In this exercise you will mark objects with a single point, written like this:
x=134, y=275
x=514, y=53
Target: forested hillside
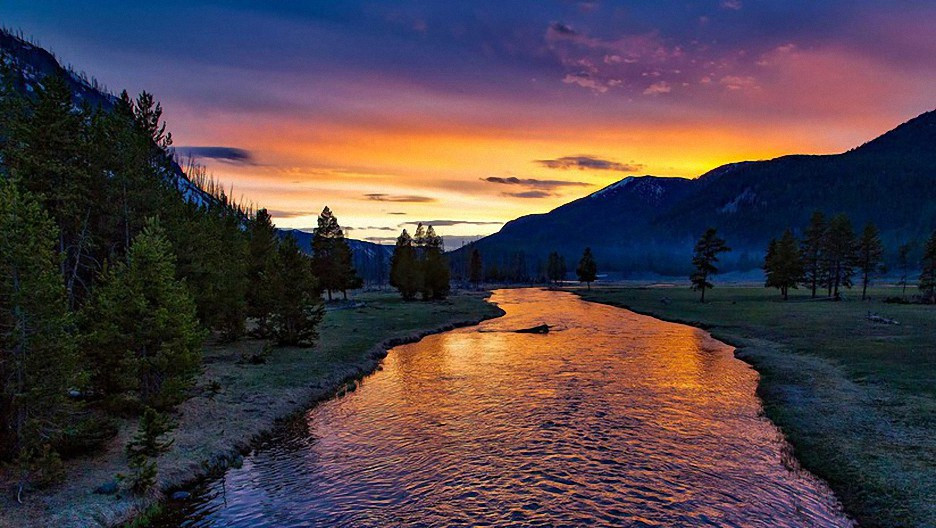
x=115, y=268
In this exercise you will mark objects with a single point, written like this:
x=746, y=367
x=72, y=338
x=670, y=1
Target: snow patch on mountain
x=614, y=188
x=745, y=198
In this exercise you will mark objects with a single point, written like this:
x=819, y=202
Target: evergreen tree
x=261, y=257
x=783, y=264
x=839, y=254
x=475, y=268
x=149, y=439
x=704, y=258
x=48, y=151
x=903, y=263
x=811, y=248
x=142, y=333
x=404, y=267
x=38, y=360
x=556, y=268
x=331, y=256
x=869, y=257
x=927, y=282
x=587, y=269
x=436, y=273
x=212, y=250
x=296, y=297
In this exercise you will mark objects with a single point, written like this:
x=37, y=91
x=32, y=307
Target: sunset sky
x=469, y=114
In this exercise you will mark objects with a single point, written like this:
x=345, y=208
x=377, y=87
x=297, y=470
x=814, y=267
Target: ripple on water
x=612, y=419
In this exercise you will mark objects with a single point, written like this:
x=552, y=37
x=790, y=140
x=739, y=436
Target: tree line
x=829, y=257
x=112, y=277
x=418, y=265
x=554, y=272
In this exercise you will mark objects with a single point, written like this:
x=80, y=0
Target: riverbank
x=215, y=429
x=856, y=398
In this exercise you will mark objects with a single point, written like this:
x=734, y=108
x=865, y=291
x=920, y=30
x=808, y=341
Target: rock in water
x=541, y=329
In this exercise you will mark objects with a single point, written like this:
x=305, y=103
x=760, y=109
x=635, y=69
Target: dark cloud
x=529, y=194
x=534, y=183
x=280, y=213
x=397, y=213
x=561, y=28
x=449, y=223
x=589, y=163
x=228, y=154
x=380, y=240
x=376, y=228
x=402, y=198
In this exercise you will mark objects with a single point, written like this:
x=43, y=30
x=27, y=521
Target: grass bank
x=216, y=428
x=855, y=398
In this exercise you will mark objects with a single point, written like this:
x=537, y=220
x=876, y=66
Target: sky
x=469, y=114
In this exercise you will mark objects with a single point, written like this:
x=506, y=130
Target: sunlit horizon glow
x=392, y=113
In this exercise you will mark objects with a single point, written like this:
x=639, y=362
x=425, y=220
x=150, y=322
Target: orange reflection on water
x=612, y=419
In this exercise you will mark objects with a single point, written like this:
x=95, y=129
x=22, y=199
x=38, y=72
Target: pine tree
x=811, y=249
x=587, y=269
x=556, y=268
x=38, y=361
x=404, y=267
x=870, y=255
x=142, y=333
x=903, y=263
x=475, y=268
x=704, y=258
x=149, y=440
x=839, y=254
x=783, y=264
x=436, y=274
x=331, y=256
x=296, y=297
x=261, y=256
x=48, y=152
x=927, y=282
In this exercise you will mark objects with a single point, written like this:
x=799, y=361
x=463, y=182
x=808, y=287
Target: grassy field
x=856, y=398
x=215, y=427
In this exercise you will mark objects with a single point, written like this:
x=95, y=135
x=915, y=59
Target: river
x=612, y=419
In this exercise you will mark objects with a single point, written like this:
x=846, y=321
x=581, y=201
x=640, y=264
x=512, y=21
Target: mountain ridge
x=649, y=223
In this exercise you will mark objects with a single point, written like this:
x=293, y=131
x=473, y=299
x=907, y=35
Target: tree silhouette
x=927, y=283
x=903, y=263
x=705, y=255
x=870, y=254
x=331, y=256
x=811, y=249
x=783, y=264
x=475, y=268
x=404, y=272
x=587, y=269
x=556, y=268
x=839, y=254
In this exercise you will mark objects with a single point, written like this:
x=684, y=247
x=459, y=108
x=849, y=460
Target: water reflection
x=612, y=419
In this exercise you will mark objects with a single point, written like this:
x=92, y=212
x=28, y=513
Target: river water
x=612, y=419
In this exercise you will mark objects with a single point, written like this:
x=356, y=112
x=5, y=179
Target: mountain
x=372, y=261
x=648, y=224
x=24, y=65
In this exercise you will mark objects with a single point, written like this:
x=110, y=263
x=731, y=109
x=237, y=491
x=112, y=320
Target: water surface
x=612, y=419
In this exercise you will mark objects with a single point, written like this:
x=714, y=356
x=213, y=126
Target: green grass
x=855, y=398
